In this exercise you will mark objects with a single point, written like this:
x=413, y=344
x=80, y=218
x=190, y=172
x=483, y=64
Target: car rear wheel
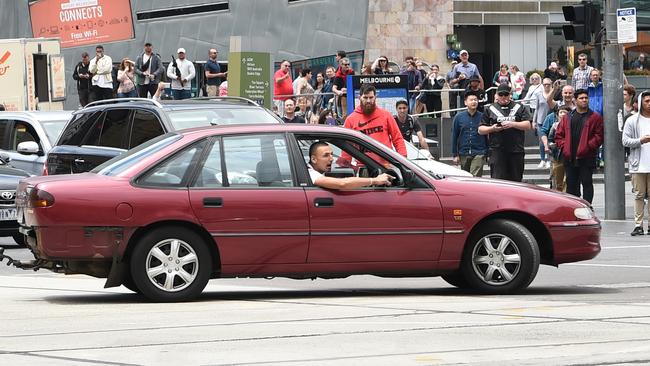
x=502, y=257
x=171, y=264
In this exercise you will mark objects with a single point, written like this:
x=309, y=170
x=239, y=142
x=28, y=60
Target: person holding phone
x=83, y=76
x=101, y=66
x=505, y=123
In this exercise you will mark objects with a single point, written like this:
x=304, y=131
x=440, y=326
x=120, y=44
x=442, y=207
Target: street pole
x=613, y=102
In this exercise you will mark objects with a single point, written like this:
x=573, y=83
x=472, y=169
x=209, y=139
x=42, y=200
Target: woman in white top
x=126, y=77
x=533, y=90
x=518, y=80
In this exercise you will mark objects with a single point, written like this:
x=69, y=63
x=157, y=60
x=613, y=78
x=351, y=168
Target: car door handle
x=213, y=202
x=324, y=202
x=79, y=161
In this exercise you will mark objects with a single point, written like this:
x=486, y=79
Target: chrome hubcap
x=496, y=259
x=172, y=265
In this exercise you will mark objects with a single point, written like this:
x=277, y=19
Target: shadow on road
x=114, y=298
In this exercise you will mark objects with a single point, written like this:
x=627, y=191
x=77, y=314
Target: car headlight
x=583, y=213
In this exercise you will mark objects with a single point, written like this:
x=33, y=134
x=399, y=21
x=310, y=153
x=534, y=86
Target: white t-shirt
x=644, y=160
x=313, y=174
x=146, y=58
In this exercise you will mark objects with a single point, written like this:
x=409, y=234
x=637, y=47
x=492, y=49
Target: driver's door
x=373, y=224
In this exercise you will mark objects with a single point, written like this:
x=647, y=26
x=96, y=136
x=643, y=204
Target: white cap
x=463, y=51
x=180, y=50
x=553, y=64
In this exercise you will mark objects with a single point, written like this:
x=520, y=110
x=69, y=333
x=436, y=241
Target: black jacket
x=82, y=84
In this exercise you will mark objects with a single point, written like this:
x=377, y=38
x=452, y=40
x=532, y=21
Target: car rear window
x=189, y=118
x=76, y=130
x=124, y=161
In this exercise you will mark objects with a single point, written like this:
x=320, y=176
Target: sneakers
x=540, y=165
x=637, y=231
x=547, y=164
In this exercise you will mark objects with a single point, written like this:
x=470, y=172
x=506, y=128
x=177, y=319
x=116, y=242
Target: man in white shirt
x=181, y=76
x=636, y=136
x=321, y=157
x=101, y=66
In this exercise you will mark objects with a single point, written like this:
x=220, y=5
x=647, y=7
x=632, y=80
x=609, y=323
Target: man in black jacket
x=149, y=69
x=83, y=78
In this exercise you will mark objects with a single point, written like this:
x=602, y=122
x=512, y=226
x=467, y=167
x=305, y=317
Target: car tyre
x=20, y=240
x=130, y=284
x=501, y=257
x=170, y=264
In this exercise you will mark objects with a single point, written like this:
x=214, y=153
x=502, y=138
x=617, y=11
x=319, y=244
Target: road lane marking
x=605, y=265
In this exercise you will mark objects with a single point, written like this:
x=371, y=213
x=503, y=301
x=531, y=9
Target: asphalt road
x=588, y=313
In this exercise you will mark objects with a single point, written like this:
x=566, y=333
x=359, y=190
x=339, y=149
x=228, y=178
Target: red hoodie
x=380, y=125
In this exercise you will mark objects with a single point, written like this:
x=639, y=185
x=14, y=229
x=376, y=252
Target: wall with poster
x=390, y=89
x=82, y=22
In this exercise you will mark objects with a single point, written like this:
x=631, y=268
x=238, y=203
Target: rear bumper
x=8, y=228
x=575, y=243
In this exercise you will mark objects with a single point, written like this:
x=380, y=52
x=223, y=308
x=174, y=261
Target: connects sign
x=82, y=22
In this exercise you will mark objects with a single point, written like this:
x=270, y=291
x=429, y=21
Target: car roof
x=167, y=105
x=39, y=115
x=267, y=128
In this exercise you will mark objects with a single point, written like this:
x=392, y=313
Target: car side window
x=211, y=175
x=3, y=130
x=257, y=161
x=114, y=129
x=22, y=132
x=173, y=172
x=80, y=126
x=145, y=127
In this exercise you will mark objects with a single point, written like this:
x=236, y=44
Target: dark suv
x=107, y=128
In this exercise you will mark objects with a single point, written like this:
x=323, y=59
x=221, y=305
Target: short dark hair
x=147, y=44
x=84, y=54
x=564, y=108
x=316, y=145
x=305, y=71
x=645, y=94
x=367, y=88
x=470, y=93
x=2, y=107
x=341, y=54
x=401, y=101
x=580, y=92
x=99, y=46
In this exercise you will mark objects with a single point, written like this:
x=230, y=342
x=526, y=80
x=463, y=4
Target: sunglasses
x=503, y=94
x=345, y=64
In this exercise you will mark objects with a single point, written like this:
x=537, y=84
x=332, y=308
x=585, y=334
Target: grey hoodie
x=632, y=138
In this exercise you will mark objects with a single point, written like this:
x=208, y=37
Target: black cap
x=474, y=78
x=503, y=88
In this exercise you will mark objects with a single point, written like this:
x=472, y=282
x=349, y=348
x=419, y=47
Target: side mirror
x=409, y=177
x=5, y=157
x=28, y=148
x=340, y=173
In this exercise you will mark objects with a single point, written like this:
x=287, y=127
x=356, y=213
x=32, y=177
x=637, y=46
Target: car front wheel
x=171, y=264
x=502, y=257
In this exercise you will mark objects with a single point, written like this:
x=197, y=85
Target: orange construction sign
x=82, y=22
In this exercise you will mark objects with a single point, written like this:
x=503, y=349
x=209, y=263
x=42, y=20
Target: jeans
x=145, y=89
x=580, y=173
x=129, y=94
x=179, y=94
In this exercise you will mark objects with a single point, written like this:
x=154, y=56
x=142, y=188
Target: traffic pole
x=613, y=103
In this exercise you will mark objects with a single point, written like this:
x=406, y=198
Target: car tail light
x=40, y=198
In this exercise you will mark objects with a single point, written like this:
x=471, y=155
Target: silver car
x=28, y=136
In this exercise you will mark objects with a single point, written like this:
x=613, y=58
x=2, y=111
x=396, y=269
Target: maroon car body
x=97, y=223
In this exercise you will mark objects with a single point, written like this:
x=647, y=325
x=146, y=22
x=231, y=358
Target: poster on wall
x=82, y=22
x=57, y=78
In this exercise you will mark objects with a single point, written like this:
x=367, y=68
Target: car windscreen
x=124, y=161
x=53, y=129
x=189, y=118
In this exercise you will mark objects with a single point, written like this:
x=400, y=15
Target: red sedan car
x=237, y=201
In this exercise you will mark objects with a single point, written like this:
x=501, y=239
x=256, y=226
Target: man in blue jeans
x=181, y=74
x=468, y=147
